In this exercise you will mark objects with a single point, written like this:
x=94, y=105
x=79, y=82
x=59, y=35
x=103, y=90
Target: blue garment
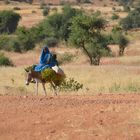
x=45, y=55
x=46, y=60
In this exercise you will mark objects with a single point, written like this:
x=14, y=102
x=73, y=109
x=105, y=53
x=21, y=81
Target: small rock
x=101, y=122
x=113, y=109
x=53, y=131
x=41, y=99
x=25, y=96
x=100, y=94
x=101, y=111
x=51, y=98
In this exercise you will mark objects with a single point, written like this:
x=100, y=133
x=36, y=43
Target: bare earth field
x=98, y=117
x=108, y=108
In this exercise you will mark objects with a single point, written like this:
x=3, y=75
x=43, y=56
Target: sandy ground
x=97, y=117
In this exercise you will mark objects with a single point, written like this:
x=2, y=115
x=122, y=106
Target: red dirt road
x=98, y=117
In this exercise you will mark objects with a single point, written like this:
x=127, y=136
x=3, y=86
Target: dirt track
x=98, y=117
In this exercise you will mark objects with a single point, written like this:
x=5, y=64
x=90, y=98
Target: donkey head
x=28, y=76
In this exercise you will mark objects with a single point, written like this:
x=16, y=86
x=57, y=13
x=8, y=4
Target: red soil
x=112, y=117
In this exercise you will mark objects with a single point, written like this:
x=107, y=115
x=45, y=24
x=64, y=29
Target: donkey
x=36, y=77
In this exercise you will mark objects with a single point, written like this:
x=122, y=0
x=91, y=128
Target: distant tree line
x=125, y=2
x=72, y=26
x=8, y=1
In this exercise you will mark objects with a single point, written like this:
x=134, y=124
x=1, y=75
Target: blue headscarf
x=45, y=55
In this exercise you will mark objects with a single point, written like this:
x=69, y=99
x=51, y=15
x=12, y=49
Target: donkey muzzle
x=27, y=83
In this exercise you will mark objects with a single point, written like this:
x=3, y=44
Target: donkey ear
x=26, y=70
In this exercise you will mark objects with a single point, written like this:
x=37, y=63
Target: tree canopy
x=86, y=34
x=8, y=21
x=57, y=25
x=132, y=20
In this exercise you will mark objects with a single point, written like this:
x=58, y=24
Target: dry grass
x=133, y=35
x=104, y=79
x=11, y=80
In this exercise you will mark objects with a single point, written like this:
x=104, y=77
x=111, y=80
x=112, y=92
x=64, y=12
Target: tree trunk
x=96, y=60
x=85, y=50
x=121, y=50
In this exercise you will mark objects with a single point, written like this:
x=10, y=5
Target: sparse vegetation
x=46, y=11
x=54, y=9
x=130, y=87
x=125, y=2
x=65, y=58
x=8, y=21
x=132, y=20
x=16, y=8
x=113, y=8
x=9, y=43
x=5, y=61
x=6, y=1
x=51, y=41
x=83, y=1
x=126, y=8
x=114, y=16
x=42, y=5
x=70, y=85
x=33, y=11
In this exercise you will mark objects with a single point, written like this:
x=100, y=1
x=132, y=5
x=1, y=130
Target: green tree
x=126, y=8
x=8, y=21
x=52, y=25
x=46, y=10
x=29, y=1
x=57, y=25
x=50, y=41
x=68, y=14
x=51, y=30
x=25, y=39
x=37, y=33
x=132, y=20
x=86, y=34
x=125, y=2
x=119, y=38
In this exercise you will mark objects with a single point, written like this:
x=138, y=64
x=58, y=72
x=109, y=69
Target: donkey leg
x=54, y=88
x=43, y=84
x=36, y=87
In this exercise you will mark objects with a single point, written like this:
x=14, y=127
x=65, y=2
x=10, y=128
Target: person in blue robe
x=46, y=60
